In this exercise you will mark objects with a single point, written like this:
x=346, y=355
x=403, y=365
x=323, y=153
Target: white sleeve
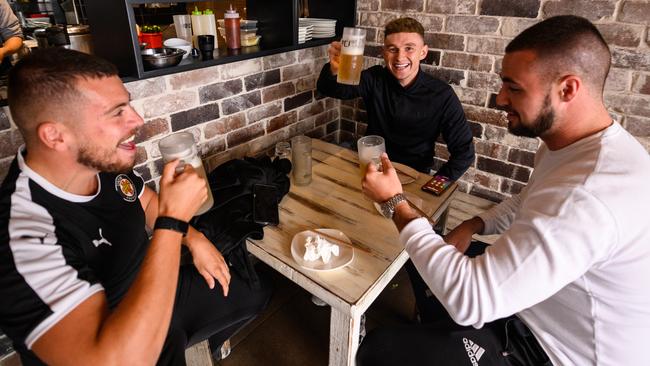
x=549, y=245
x=498, y=218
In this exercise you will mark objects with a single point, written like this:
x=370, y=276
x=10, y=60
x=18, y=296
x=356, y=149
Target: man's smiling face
x=402, y=54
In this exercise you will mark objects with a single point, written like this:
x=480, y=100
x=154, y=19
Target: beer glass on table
x=370, y=149
x=351, y=58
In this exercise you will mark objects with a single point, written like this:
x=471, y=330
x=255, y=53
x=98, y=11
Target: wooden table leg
x=344, y=338
x=441, y=223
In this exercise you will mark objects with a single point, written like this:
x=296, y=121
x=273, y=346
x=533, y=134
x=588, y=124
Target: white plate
x=346, y=253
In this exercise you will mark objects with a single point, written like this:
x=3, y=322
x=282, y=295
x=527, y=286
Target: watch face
x=386, y=210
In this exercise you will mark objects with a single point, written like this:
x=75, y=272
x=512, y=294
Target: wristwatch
x=388, y=207
x=170, y=223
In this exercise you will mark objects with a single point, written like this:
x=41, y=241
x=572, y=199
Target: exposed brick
x=145, y=88
x=623, y=35
x=642, y=84
x=511, y=187
x=185, y=119
x=490, y=45
x=262, y=79
x=140, y=155
x=479, y=80
x=447, y=75
x=618, y=80
x=445, y=41
x=245, y=134
x=367, y=5
x=332, y=127
x=241, y=68
x=490, y=149
x=297, y=71
x=347, y=112
x=144, y=172
x=278, y=91
x=440, y=151
x=591, y=9
x=431, y=23
x=312, y=53
x=361, y=129
x=485, y=115
x=466, y=61
x=346, y=137
x=317, y=133
x=451, y=6
x=310, y=110
x=4, y=119
x=638, y=126
x=325, y=117
x=511, y=27
x=472, y=25
x=632, y=59
x=628, y=104
x=471, y=96
x=169, y=103
x=402, y=5
x=264, y=111
x=373, y=51
x=500, y=135
x=224, y=125
x=375, y=19
x=635, y=12
x=298, y=100
x=218, y=91
x=511, y=8
x=349, y=126
x=193, y=78
x=279, y=60
x=151, y=129
x=307, y=83
x=281, y=121
x=521, y=157
x=212, y=147
x=477, y=129
x=487, y=194
x=241, y=102
x=10, y=141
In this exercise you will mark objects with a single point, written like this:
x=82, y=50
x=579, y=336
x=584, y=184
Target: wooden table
x=334, y=200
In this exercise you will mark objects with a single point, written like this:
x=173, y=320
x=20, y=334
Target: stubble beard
x=102, y=160
x=542, y=123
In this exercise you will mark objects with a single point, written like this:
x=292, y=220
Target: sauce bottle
x=231, y=23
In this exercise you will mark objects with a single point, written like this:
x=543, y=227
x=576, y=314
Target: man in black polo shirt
x=80, y=281
x=406, y=106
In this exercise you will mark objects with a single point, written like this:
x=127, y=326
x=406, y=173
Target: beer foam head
x=352, y=50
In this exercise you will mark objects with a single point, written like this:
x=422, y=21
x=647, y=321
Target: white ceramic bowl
x=180, y=44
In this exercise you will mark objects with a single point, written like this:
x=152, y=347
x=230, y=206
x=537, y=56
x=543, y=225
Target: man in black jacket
x=406, y=106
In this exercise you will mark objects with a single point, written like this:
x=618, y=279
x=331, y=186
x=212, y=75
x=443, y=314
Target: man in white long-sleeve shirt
x=573, y=259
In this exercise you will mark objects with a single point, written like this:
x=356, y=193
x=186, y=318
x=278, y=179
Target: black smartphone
x=265, y=204
x=437, y=185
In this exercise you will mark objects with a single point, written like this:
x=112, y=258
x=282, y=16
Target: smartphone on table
x=437, y=185
x=265, y=204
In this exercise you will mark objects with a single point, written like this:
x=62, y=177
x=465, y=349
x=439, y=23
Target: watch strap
x=388, y=207
x=170, y=223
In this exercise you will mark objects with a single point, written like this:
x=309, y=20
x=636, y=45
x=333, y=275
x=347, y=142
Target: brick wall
x=466, y=39
x=233, y=110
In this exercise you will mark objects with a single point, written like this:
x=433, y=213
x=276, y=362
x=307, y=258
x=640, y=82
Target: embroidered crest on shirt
x=125, y=187
x=101, y=240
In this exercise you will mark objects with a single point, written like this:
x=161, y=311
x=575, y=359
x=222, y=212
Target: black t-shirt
x=57, y=249
x=410, y=119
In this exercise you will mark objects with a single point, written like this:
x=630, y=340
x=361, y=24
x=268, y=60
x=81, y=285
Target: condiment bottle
x=197, y=26
x=231, y=23
x=203, y=23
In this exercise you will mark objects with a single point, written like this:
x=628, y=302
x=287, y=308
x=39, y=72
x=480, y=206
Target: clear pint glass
x=181, y=146
x=351, y=58
x=370, y=149
x=301, y=160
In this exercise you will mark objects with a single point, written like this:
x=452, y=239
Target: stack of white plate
x=322, y=28
x=305, y=33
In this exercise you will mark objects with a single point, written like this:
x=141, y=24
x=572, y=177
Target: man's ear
x=51, y=134
x=570, y=85
x=423, y=54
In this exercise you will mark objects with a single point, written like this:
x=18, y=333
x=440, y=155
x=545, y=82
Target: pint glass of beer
x=370, y=149
x=351, y=59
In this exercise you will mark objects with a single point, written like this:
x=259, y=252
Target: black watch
x=170, y=223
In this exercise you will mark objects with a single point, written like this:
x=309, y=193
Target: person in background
x=566, y=281
x=10, y=31
x=407, y=107
x=82, y=282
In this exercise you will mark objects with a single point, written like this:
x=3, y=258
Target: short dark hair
x=404, y=25
x=47, y=79
x=567, y=44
